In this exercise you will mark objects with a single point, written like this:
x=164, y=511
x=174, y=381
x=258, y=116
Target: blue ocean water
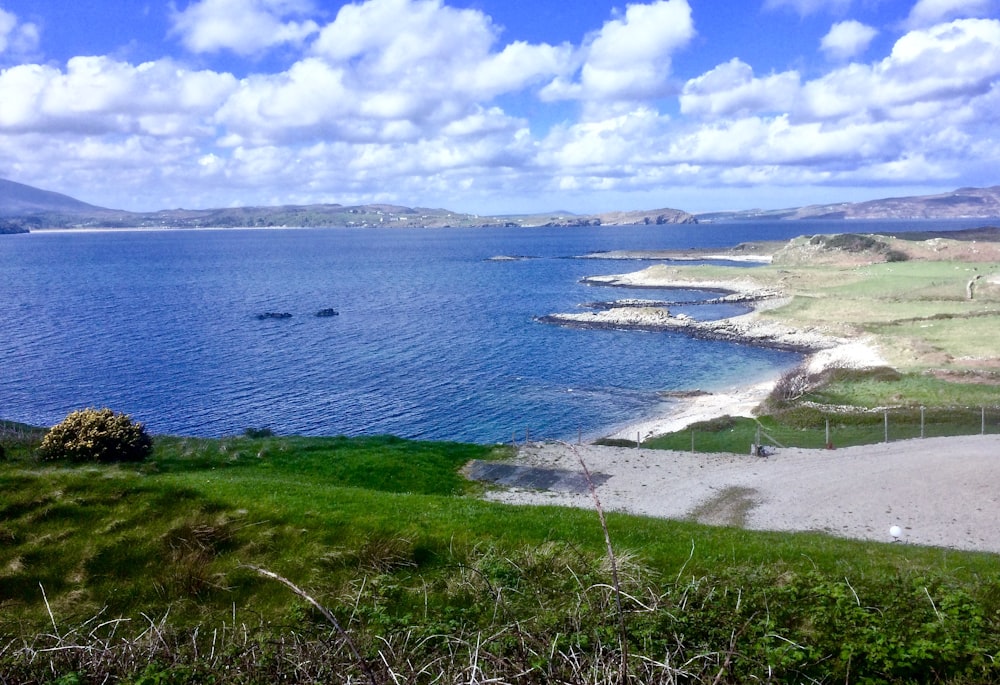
x=433, y=339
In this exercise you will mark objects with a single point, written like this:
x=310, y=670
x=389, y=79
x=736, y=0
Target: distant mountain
x=23, y=207
x=974, y=203
x=30, y=208
x=17, y=199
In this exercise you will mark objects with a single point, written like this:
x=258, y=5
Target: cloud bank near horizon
x=442, y=109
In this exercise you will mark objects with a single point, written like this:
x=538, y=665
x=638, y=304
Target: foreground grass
x=143, y=574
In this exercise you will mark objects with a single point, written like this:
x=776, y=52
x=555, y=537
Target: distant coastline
x=25, y=207
x=828, y=341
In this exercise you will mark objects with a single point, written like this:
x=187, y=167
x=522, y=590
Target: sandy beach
x=939, y=491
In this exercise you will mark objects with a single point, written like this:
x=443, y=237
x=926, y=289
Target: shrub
x=98, y=435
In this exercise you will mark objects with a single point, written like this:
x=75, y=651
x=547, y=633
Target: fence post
x=638, y=439
x=982, y=430
x=829, y=445
x=921, y=422
x=692, y=442
x=886, y=415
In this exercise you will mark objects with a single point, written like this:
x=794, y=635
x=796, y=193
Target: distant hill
x=23, y=207
x=17, y=199
x=975, y=203
x=29, y=208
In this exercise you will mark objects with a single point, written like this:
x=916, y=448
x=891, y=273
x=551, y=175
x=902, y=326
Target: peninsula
x=889, y=324
x=927, y=303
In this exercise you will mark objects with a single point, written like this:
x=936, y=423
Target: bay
x=434, y=340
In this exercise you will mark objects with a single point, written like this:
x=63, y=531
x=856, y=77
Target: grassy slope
x=916, y=312
x=393, y=552
x=385, y=532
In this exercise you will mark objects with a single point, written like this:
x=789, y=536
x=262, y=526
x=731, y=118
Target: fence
x=885, y=425
x=816, y=429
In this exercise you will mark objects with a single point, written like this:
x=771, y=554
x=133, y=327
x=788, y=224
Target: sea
x=433, y=337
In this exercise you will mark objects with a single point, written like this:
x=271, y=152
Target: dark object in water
x=273, y=315
x=329, y=311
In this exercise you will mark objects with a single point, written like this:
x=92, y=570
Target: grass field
x=917, y=311
x=146, y=574
x=390, y=569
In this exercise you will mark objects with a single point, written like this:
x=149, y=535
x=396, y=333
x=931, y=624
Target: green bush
x=98, y=435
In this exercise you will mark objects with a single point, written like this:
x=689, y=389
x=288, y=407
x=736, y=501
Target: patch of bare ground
x=730, y=507
x=977, y=376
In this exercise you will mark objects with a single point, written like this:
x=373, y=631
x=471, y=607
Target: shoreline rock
x=746, y=328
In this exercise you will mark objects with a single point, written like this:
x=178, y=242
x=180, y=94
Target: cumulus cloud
x=927, y=70
x=417, y=100
x=246, y=27
x=424, y=46
x=923, y=110
x=731, y=89
x=629, y=59
x=931, y=68
x=847, y=39
x=928, y=12
x=16, y=37
x=389, y=70
x=100, y=95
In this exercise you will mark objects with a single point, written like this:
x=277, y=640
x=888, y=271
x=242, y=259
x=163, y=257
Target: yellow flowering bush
x=99, y=435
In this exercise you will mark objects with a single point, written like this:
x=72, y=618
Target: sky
x=499, y=106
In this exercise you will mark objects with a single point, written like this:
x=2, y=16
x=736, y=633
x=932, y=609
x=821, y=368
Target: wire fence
x=885, y=425
x=816, y=428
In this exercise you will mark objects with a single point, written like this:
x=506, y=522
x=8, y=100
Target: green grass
x=853, y=406
x=388, y=534
x=918, y=310
x=910, y=390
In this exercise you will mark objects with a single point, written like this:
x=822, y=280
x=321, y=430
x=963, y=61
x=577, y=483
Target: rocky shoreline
x=746, y=329
x=821, y=348
x=644, y=315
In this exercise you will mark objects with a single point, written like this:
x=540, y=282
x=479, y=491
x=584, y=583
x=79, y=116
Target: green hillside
x=150, y=574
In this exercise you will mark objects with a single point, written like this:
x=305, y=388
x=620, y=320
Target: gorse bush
x=98, y=435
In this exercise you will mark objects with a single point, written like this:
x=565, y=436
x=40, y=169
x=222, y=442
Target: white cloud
x=605, y=144
x=629, y=59
x=100, y=95
x=417, y=101
x=928, y=12
x=731, y=89
x=16, y=37
x=364, y=82
x=933, y=69
x=423, y=50
x=927, y=109
x=847, y=39
x=246, y=27
x=937, y=67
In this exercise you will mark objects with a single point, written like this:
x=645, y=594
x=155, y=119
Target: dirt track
x=940, y=491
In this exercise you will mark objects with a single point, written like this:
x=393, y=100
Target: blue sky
x=497, y=106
